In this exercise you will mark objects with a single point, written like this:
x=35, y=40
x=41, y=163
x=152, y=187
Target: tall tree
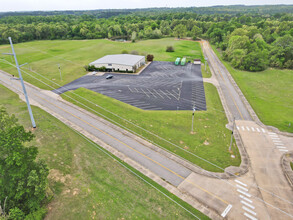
x=22, y=179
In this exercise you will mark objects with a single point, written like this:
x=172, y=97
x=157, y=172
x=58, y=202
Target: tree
x=180, y=31
x=150, y=57
x=23, y=180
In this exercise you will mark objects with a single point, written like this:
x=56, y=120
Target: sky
x=49, y=5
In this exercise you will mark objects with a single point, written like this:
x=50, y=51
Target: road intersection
x=263, y=192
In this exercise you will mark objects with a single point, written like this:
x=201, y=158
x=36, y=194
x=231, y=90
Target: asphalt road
x=232, y=98
x=160, y=86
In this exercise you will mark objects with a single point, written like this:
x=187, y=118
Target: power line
x=156, y=136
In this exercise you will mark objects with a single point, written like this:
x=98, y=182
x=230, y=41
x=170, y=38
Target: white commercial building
x=120, y=62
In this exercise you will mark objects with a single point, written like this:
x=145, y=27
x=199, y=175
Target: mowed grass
x=210, y=141
x=85, y=182
x=45, y=56
x=269, y=92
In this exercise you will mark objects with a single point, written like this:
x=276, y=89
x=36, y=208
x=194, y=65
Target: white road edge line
x=244, y=193
x=243, y=184
x=257, y=129
x=279, y=144
x=249, y=216
x=242, y=197
x=271, y=133
x=248, y=210
x=281, y=147
x=241, y=187
x=283, y=150
x=247, y=204
x=228, y=208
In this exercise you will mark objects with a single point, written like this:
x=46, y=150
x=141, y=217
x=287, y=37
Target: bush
x=170, y=49
x=150, y=57
x=124, y=52
x=91, y=68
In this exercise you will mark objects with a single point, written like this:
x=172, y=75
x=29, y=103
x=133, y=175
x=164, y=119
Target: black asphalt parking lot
x=161, y=86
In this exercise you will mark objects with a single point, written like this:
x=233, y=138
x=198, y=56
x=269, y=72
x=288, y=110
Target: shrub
x=124, y=52
x=150, y=57
x=170, y=49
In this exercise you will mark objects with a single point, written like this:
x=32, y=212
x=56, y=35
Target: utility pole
x=60, y=71
x=232, y=134
x=192, y=120
x=22, y=83
x=205, y=64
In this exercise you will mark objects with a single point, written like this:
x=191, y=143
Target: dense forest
x=252, y=38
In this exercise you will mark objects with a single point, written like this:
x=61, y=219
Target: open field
x=88, y=184
x=211, y=139
x=269, y=92
x=44, y=56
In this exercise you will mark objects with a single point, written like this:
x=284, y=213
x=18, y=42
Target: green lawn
x=212, y=138
x=44, y=56
x=269, y=92
x=86, y=183
x=210, y=141
x=291, y=165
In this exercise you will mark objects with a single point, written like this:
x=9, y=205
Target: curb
x=286, y=159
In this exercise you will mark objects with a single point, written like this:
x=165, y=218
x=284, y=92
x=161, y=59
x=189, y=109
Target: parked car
x=109, y=77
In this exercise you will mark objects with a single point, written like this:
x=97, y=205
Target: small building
x=120, y=62
x=197, y=61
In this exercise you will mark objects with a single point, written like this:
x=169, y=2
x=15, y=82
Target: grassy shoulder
x=291, y=164
x=210, y=141
x=269, y=92
x=45, y=56
x=205, y=71
x=86, y=183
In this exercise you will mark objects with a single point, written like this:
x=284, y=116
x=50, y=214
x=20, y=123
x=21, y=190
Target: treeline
x=250, y=41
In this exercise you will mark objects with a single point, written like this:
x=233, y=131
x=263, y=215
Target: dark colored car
x=109, y=77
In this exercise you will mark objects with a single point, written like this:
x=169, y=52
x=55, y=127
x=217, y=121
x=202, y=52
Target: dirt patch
x=57, y=176
x=206, y=143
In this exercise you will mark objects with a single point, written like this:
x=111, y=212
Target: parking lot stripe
x=165, y=94
x=283, y=150
x=247, y=128
x=263, y=130
x=252, y=128
x=243, y=128
x=257, y=130
x=159, y=94
x=281, y=147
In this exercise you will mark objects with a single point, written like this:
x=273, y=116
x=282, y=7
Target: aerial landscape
x=146, y=110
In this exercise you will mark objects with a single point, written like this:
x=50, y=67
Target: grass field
x=210, y=141
x=44, y=56
x=269, y=92
x=86, y=183
x=212, y=138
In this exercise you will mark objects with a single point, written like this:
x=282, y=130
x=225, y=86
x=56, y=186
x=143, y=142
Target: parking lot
x=161, y=86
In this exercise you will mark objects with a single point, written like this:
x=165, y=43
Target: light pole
x=60, y=71
x=232, y=134
x=205, y=64
x=192, y=120
x=22, y=83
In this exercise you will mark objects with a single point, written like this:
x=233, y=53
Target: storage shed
x=120, y=62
